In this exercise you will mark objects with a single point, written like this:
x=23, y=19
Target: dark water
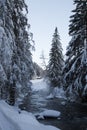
x=73, y=115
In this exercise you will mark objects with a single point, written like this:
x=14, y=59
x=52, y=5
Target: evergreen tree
x=55, y=61
x=15, y=56
x=75, y=71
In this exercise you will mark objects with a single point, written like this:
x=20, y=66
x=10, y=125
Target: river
x=73, y=115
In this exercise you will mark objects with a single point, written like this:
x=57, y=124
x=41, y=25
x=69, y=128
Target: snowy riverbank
x=11, y=118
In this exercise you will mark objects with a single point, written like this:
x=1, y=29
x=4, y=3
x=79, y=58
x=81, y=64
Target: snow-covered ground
x=11, y=118
x=39, y=84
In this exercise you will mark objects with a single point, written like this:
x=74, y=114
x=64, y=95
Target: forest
x=60, y=87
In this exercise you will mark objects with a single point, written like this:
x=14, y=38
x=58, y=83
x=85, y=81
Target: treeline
x=16, y=65
x=71, y=74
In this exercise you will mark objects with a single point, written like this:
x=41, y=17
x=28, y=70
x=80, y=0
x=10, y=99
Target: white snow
x=56, y=92
x=50, y=96
x=39, y=84
x=49, y=113
x=2, y=73
x=63, y=103
x=11, y=119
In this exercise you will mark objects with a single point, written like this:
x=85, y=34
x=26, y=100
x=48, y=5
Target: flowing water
x=73, y=115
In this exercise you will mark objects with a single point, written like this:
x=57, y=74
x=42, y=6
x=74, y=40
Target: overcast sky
x=44, y=16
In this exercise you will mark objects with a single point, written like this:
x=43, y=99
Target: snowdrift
x=11, y=118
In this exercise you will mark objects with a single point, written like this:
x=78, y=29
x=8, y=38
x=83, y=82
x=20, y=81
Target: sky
x=44, y=16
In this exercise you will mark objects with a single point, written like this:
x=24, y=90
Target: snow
x=1, y=34
x=56, y=93
x=38, y=84
x=63, y=103
x=41, y=84
x=11, y=118
x=50, y=96
x=48, y=113
x=2, y=73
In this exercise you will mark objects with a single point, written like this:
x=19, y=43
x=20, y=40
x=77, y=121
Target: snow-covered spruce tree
x=54, y=70
x=6, y=41
x=15, y=56
x=75, y=71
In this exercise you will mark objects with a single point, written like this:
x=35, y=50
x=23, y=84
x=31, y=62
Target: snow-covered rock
x=63, y=103
x=48, y=114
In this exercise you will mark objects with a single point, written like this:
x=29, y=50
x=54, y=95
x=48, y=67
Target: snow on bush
x=56, y=92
